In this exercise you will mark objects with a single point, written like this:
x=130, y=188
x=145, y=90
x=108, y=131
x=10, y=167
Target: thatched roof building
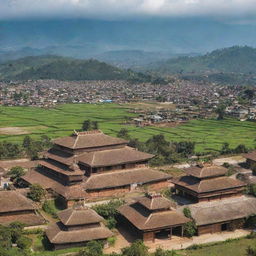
x=221, y=215
x=16, y=207
x=92, y=164
x=151, y=215
x=76, y=227
x=208, y=183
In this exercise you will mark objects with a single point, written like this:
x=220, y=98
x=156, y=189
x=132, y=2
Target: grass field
x=232, y=248
x=62, y=120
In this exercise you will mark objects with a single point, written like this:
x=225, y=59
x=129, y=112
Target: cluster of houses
x=192, y=100
x=89, y=166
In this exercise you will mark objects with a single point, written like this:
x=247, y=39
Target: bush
x=36, y=193
x=111, y=223
x=111, y=240
x=190, y=227
x=49, y=208
x=136, y=249
x=24, y=242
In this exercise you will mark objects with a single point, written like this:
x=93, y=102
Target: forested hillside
x=61, y=68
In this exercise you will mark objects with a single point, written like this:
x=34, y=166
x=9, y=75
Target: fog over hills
x=117, y=41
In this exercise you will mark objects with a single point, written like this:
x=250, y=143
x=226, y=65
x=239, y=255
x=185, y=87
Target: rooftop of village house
x=142, y=214
x=88, y=139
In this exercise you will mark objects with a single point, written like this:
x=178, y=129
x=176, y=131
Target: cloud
x=114, y=9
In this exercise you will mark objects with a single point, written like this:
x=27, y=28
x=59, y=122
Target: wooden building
x=251, y=160
x=222, y=215
x=16, y=207
x=77, y=226
x=208, y=183
x=152, y=216
x=91, y=164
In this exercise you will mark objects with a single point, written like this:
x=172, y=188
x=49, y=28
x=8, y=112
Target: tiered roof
x=207, y=179
x=59, y=233
x=251, y=155
x=152, y=213
x=88, y=139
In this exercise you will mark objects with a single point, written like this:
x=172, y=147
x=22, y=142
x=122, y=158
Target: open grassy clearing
x=209, y=135
x=232, y=248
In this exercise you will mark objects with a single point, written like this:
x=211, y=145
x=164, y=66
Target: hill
x=225, y=65
x=62, y=68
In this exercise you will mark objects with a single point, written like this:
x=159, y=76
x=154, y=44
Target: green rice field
x=209, y=135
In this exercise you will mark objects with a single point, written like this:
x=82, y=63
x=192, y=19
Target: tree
x=86, y=125
x=26, y=142
x=94, y=125
x=24, y=242
x=93, y=248
x=36, y=192
x=136, y=249
x=220, y=112
x=15, y=173
x=189, y=227
x=124, y=134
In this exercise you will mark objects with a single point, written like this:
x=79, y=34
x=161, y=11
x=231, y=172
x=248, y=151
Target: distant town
x=190, y=100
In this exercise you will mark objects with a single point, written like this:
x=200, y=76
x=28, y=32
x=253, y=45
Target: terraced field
x=209, y=135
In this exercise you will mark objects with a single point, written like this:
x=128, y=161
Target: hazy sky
x=234, y=10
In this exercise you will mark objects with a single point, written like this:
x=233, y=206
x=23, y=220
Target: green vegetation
x=209, y=135
x=109, y=212
x=63, y=68
x=234, y=65
x=36, y=192
x=236, y=247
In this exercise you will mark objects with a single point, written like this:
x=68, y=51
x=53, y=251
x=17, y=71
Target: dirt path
x=176, y=243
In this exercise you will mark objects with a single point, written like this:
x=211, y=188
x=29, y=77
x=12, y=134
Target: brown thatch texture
x=57, y=235
x=207, y=171
x=79, y=216
x=124, y=178
x=88, y=140
x=208, y=185
x=144, y=219
x=113, y=157
x=251, y=155
x=223, y=210
x=156, y=202
x=12, y=201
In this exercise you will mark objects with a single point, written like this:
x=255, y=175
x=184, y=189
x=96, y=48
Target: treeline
x=166, y=152
x=29, y=147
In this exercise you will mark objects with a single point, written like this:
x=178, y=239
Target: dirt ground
x=124, y=239
x=13, y=131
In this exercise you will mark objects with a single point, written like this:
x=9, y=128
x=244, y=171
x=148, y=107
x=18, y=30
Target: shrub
x=111, y=240
x=111, y=223
x=36, y=192
x=49, y=208
x=24, y=242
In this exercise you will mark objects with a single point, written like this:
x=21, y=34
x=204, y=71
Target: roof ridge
x=72, y=212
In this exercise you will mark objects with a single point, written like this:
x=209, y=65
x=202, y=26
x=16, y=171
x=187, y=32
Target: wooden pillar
x=182, y=231
x=170, y=236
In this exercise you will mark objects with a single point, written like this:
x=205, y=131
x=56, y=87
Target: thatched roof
x=251, y=156
x=156, y=202
x=29, y=219
x=123, y=178
x=57, y=235
x=79, y=216
x=208, y=185
x=223, y=210
x=90, y=139
x=144, y=219
x=113, y=157
x=68, y=192
x=12, y=201
x=206, y=171
x=60, y=156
